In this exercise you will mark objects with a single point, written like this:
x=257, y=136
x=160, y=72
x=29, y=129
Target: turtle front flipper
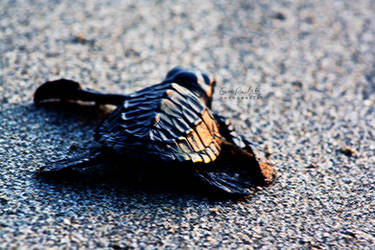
x=236, y=171
x=229, y=133
x=68, y=90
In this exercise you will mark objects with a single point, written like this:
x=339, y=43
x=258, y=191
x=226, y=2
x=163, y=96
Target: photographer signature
x=240, y=93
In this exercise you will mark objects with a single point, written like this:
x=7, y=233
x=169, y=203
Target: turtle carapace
x=170, y=123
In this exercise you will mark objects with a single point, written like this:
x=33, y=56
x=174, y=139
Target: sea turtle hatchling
x=169, y=123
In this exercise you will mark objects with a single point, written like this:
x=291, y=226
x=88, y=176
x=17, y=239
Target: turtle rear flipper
x=68, y=90
x=65, y=167
x=236, y=171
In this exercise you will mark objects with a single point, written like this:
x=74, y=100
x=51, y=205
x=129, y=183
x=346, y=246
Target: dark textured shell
x=163, y=122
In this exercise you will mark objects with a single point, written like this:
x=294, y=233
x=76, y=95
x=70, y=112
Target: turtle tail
x=68, y=90
x=236, y=171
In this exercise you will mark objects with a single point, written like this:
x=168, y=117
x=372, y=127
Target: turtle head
x=198, y=82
